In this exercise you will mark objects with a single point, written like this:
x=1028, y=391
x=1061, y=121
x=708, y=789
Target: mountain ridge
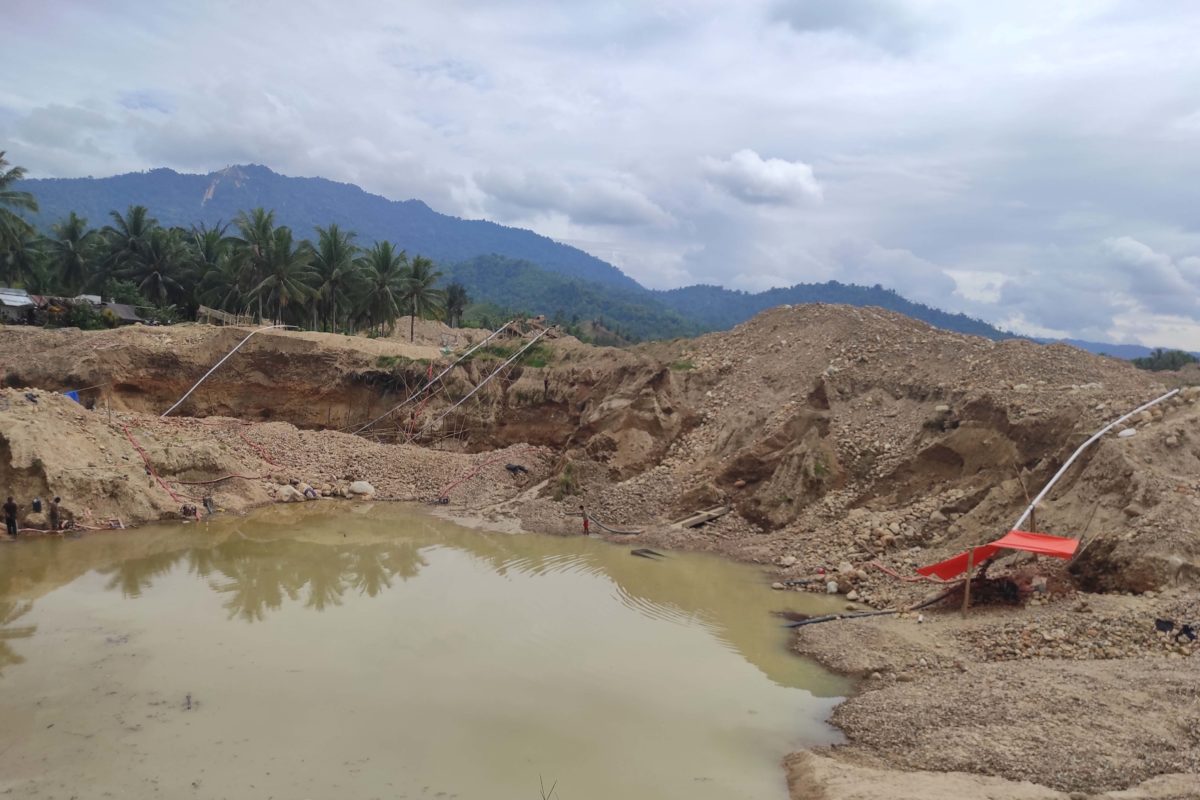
x=554, y=277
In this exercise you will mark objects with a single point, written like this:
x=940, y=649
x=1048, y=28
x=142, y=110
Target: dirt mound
x=836, y=432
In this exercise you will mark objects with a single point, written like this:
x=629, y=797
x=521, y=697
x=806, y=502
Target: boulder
x=285, y=493
x=36, y=519
x=361, y=488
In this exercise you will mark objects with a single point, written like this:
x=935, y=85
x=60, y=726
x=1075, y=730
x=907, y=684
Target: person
x=55, y=515
x=10, y=517
x=586, y=524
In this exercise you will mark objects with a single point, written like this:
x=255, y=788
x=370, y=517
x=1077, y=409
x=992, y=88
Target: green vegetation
x=257, y=268
x=683, y=365
x=1161, y=359
x=537, y=356
x=567, y=483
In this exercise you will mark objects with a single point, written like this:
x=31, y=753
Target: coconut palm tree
x=420, y=296
x=160, y=269
x=72, y=250
x=13, y=227
x=457, y=301
x=126, y=241
x=289, y=274
x=386, y=280
x=252, y=245
x=337, y=273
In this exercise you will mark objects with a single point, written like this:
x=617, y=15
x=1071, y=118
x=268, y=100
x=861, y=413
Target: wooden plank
x=701, y=517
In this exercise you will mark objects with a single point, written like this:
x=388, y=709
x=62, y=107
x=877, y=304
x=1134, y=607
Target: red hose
x=150, y=466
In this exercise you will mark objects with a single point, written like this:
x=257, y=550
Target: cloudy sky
x=1033, y=163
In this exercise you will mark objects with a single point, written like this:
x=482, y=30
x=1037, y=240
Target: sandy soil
x=841, y=439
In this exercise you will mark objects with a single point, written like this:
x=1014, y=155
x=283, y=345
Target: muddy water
x=358, y=651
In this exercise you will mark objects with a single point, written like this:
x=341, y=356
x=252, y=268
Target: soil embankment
x=840, y=439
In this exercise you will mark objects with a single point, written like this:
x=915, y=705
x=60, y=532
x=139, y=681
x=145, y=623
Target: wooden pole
x=967, y=584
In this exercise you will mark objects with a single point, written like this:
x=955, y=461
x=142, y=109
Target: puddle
x=373, y=651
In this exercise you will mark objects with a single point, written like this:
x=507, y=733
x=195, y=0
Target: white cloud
x=1020, y=160
x=773, y=181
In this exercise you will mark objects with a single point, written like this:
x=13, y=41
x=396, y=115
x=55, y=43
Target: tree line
x=251, y=266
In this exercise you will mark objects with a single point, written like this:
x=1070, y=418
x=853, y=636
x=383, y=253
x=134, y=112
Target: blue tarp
x=73, y=395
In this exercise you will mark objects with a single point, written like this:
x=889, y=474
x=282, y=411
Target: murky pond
x=372, y=651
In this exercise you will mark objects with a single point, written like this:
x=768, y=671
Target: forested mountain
x=304, y=203
x=508, y=268
x=717, y=308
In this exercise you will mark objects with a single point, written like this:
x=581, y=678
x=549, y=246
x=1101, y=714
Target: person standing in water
x=586, y=523
x=10, y=517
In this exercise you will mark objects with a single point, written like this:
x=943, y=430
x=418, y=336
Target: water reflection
x=10, y=612
x=315, y=555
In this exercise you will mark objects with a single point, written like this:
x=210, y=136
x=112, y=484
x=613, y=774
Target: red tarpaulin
x=1056, y=546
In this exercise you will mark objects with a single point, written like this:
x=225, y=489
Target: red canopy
x=1057, y=546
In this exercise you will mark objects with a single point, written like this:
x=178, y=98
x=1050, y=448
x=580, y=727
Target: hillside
x=510, y=268
x=717, y=308
x=303, y=203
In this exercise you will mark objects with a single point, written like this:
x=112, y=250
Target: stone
x=845, y=567
x=938, y=516
x=286, y=493
x=778, y=586
x=1125, y=434
x=1172, y=441
x=831, y=587
x=361, y=488
x=852, y=594
x=894, y=528
x=942, y=409
x=787, y=561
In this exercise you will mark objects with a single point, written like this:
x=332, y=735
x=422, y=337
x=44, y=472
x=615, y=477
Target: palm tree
x=159, y=270
x=72, y=249
x=457, y=301
x=12, y=226
x=126, y=242
x=419, y=295
x=289, y=273
x=386, y=273
x=23, y=256
x=252, y=247
x=224, y=286
x=337, y=273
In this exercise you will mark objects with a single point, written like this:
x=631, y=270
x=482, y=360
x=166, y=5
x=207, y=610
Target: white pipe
x=514, y=357
x=439, y=376
x=219, y=363
x=1017, y=525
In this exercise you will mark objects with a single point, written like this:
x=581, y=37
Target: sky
x=1035, y=164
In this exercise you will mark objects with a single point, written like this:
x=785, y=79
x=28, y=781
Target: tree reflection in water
x=256, y=575
x=10, y=612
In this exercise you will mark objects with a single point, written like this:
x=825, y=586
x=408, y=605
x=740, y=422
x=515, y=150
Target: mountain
x=509, y=267
x=303, y=203
x=717, y=308
x=1125, y=351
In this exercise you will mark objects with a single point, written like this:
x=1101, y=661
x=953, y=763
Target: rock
x=875, y=676
x=894, y=528
x=831, y=587
x=845, y=567
x=1125, y=434
x=942, y=409
x=1172, y=441
x=787, y=561
x=778, y=586
x=739, y=484
x=286, y=493
x=852, y=595
x=937, y=516
x=361, y=488
x=35, y=519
